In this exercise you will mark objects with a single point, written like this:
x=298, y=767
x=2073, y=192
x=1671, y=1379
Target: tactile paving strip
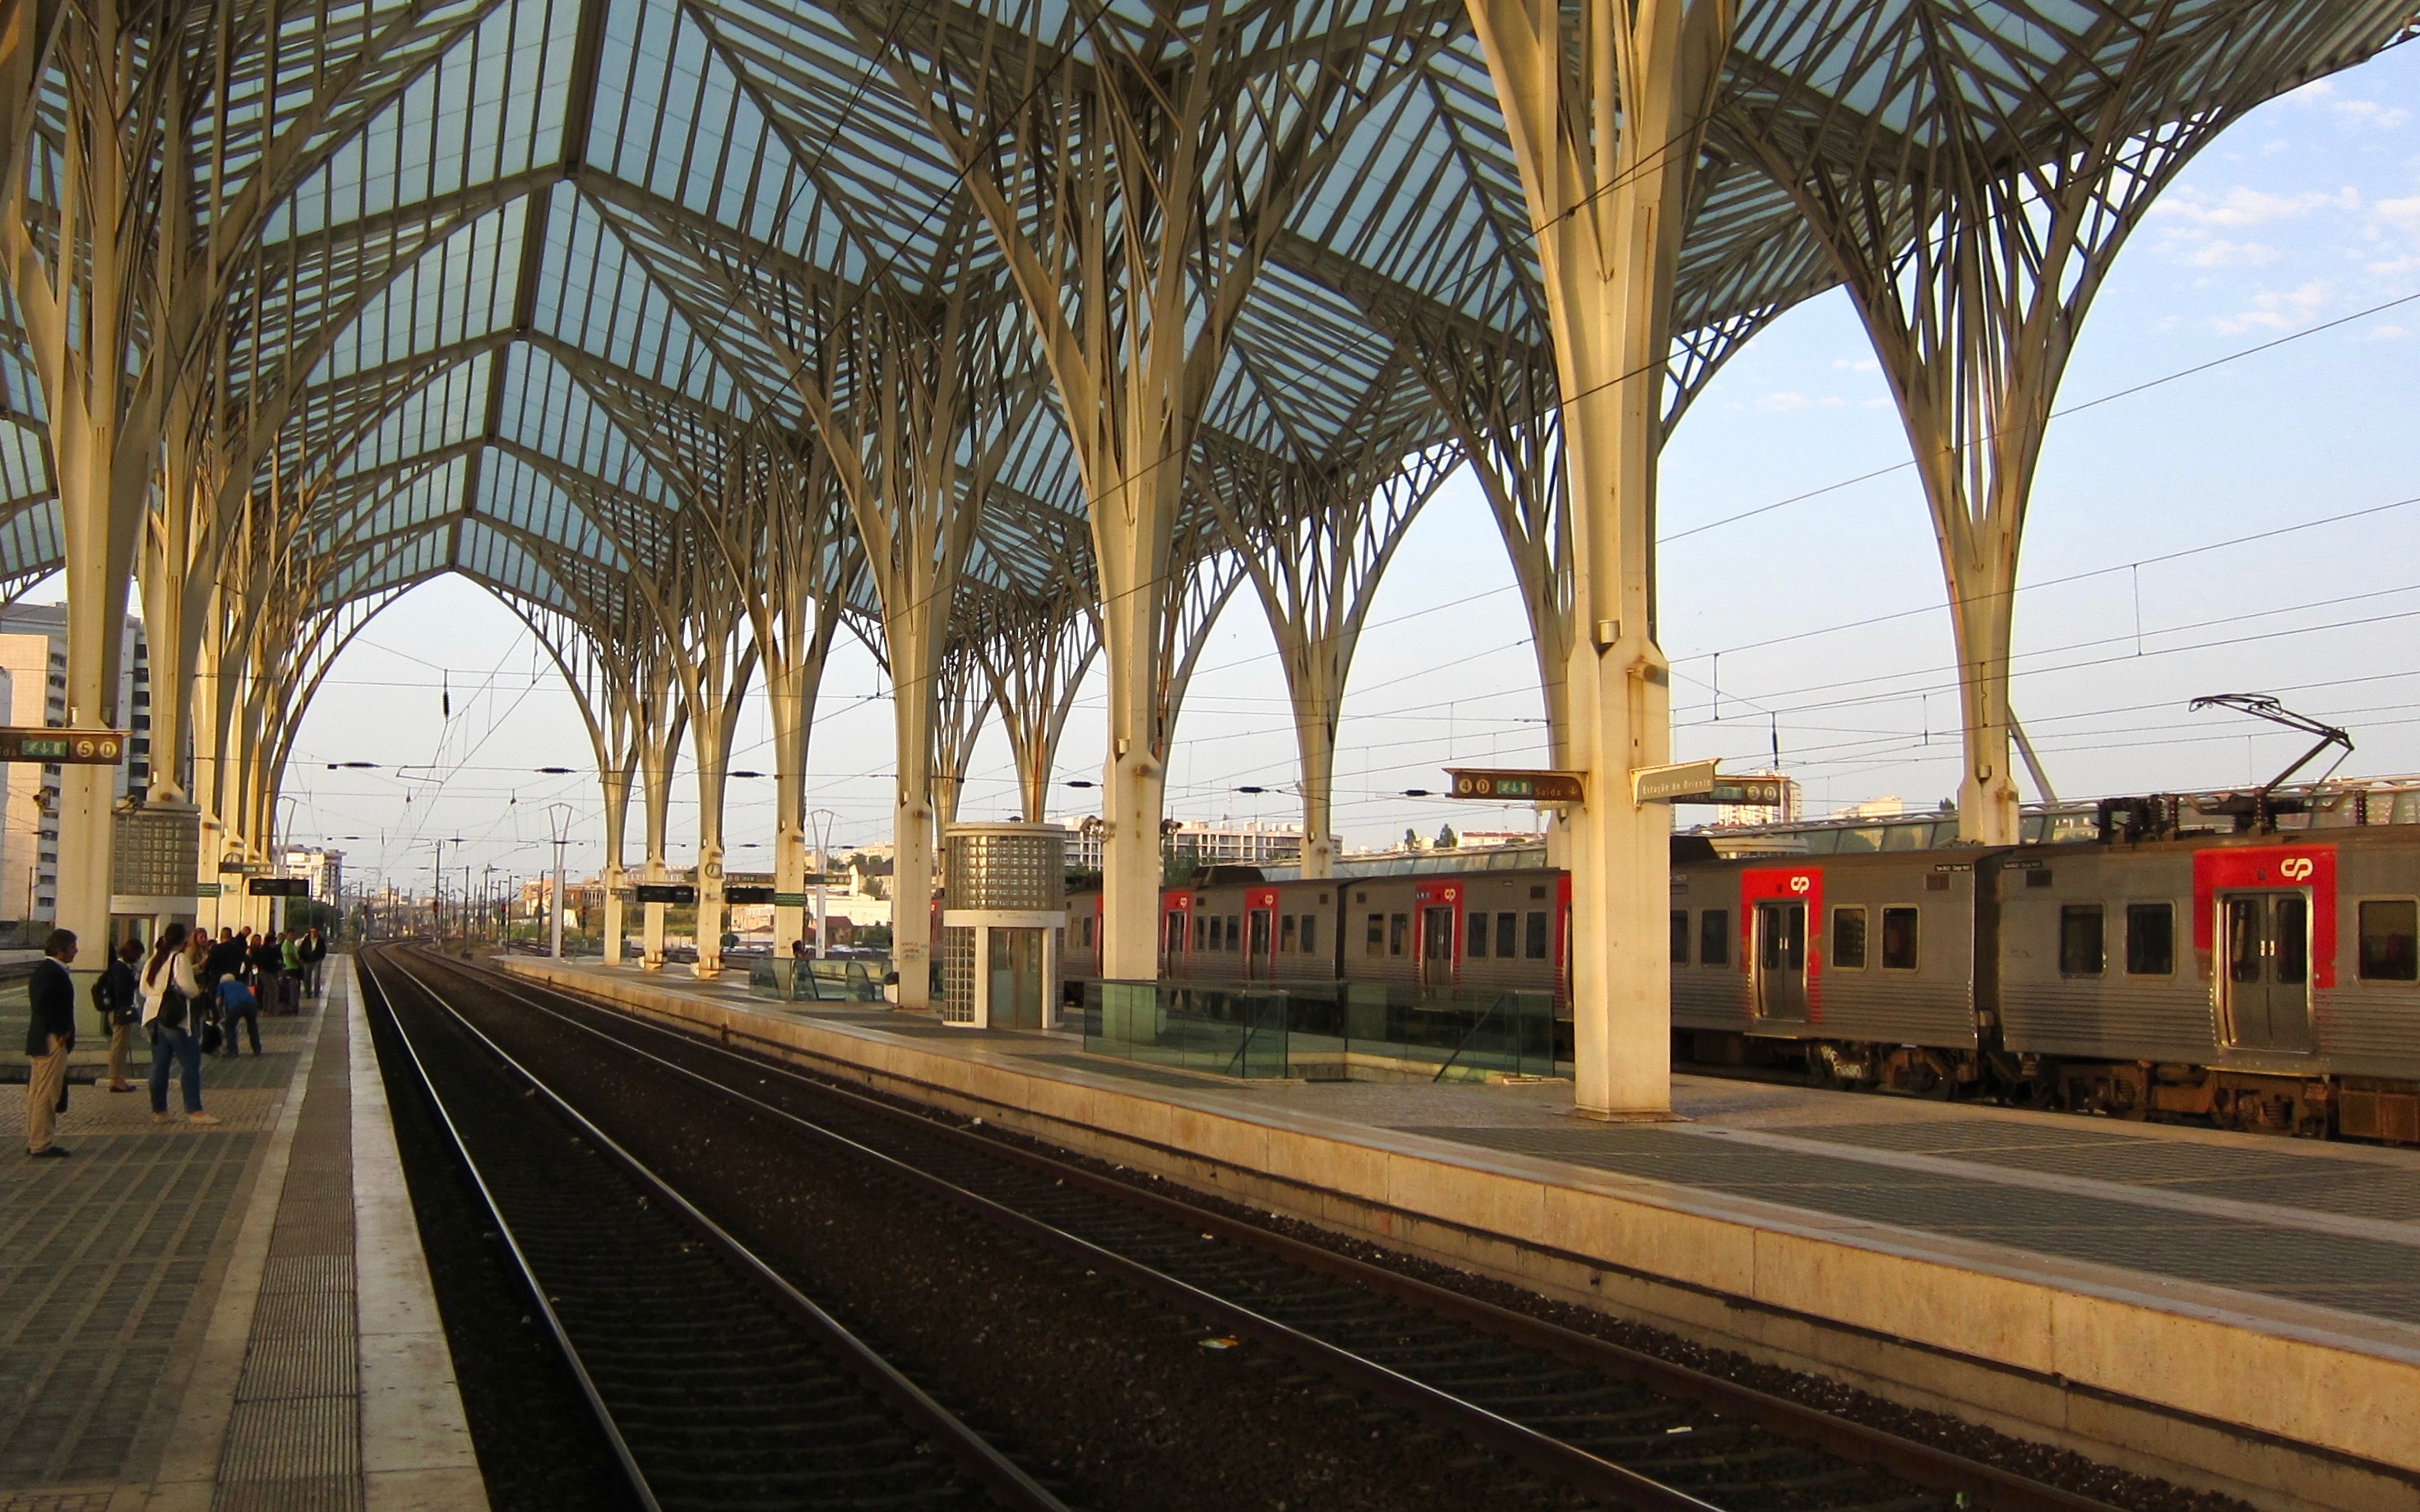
x=2363, y=1276
x=294, y=1442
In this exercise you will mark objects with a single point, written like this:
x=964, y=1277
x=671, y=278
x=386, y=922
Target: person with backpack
x=170, y=1000
x=237, y=1007
x=116, y=995
x=50, y=1034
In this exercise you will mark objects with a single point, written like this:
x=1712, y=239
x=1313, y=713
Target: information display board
x=665, y=892
x=278, y=886
x=62, y=747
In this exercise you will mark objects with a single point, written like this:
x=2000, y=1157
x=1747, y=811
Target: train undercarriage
x=2312, y=1107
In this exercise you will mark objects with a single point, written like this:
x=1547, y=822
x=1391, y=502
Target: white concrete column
x=1606, y=157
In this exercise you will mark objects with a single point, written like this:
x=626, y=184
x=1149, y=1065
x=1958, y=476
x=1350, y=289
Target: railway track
x=715, y=1382
x=1622, y=1427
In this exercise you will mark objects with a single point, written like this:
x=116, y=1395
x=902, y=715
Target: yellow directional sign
x=1491, y=785
x=63, y=748
x=1700, y=782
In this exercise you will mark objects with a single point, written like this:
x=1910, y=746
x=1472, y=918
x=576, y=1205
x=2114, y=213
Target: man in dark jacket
x=267, y=966
x=314, y=951
x=227, y=958
x=116, y=994
x=50, y=1034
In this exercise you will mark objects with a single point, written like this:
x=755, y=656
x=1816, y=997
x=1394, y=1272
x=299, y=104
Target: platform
x=230, y=1318
x=2236, y=1311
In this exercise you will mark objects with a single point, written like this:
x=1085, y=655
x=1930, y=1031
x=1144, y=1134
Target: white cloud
x=1783, y=402
x=2361, y=114
x=2387, y=333
x=2243, y=205
x=1856, y=364
x=2221, y=253
x=2395, y=225
x=2275, y=310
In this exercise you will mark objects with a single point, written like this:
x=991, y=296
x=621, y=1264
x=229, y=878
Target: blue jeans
x=170, y=1044
x=250, y=1019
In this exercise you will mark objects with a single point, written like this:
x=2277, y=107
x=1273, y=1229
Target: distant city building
x=33, y=691
x=323, y=868
x=1887, y=806
x=1792, y=804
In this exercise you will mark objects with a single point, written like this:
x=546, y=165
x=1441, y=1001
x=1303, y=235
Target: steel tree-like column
x=1607, y=151
x=1135, y=173
x=1315, y=540
x=1975, y=232
x=1034, y=654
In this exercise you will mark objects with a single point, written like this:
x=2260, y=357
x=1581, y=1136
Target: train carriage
x=1854, y=954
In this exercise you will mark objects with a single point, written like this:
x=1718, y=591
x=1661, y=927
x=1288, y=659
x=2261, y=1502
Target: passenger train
x=2127, y=964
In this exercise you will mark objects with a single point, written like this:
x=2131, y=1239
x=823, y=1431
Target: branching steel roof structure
x=673, y=318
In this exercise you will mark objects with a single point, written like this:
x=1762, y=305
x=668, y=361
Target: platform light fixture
x=353, y=766
x=1418, y=792
x=1082, y=783
x=555, y=771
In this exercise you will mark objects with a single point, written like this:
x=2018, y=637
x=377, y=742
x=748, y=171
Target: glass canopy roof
x=542, y=273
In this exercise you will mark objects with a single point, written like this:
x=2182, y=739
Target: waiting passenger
x=50, y=1034
x=118, y=995
x=170, y=995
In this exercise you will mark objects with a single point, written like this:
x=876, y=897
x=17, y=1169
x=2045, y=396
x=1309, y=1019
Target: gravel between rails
x=2062, y=1468
x=1116, y=1394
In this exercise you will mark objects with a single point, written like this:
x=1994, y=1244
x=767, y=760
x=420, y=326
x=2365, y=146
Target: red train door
x=1438, y=933
x=1176, y=932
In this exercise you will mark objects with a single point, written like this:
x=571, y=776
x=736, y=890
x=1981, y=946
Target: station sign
x=747, y=894
x=62, y=747
x=1701, y=783
x=665, y=892
x=789, y=900
x=1491, y=785
x=278, y=886
x=206, y=889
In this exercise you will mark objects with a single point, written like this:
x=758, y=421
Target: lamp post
x=822, y=819
x=559, y=816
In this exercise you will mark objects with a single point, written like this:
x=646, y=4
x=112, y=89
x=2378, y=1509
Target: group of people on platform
x=190, y=996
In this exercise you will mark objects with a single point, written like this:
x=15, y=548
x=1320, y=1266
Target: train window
x=2150, y=939
x=1533, y=944
x=1898, y=939
x=1475, y=946
x=1200, y=931
x=2079, y=940
x=1218, y=932
x=1311, y=932
x=2293, y=963
x=1714, y=937
x=1286, y=935
x=1848, y=939
x=1680, y=936
x=1504, y=931
x=1398, y=927
x=1235, y=935
x=1537, y=892
x=2389, y=940
x=1087, y=934
x=1377, y=932
x=2038, y=877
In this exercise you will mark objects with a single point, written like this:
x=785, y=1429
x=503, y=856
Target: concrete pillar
x=1607, y=156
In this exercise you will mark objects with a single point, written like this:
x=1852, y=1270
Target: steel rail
x=1006, y=1481
x=525, y=1271
x=1983, y=1486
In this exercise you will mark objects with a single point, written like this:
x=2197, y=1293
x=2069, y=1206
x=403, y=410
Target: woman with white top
x=172, y=1001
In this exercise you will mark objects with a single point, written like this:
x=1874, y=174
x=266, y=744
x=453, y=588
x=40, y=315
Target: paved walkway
x=225, y=1320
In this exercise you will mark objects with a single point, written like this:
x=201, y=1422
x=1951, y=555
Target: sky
x=2229, y=500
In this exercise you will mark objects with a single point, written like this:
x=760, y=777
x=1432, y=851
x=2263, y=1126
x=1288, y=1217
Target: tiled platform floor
x=182, y=1318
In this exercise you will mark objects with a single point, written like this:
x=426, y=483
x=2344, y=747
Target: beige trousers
x=119, y=1035
x=42, y=1083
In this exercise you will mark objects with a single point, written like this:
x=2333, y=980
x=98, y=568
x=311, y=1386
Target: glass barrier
x=792, y=980
x=1327, y=1032
x=1220, y=1031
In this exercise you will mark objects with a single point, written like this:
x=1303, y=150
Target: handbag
x=211, y=1036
